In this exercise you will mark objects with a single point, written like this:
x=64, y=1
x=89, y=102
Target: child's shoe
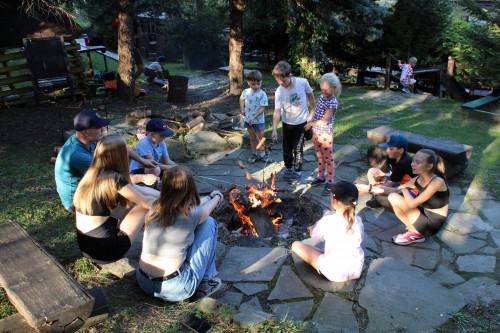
x=328, y=189
x=408, y=237
x=207, y=289
x=318, y=181
x=288, y=175
x=266, y=158
x=295, y=179
x=373, y=203
x=252, y=159
x=406, y=90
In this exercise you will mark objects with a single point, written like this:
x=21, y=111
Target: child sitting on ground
x=321, y=122
x=253, y=103
x=343, y=258
x=153, y=147
x=155, y=69
x=406, y=72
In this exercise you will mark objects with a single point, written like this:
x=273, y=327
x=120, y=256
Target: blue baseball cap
x=159, y=126
x=396, y=140
x=161, y=59
x=87, y=118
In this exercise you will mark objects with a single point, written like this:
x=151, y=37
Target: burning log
x=262, y=222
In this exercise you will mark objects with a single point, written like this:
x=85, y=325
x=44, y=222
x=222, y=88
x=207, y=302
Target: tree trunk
x=125, y=70
x=236, y=47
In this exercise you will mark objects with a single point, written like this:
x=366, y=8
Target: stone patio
x=413, y=288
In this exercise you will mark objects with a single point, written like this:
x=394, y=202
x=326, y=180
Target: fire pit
x=264, y=215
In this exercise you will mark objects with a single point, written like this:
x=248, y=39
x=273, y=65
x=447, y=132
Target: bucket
x=177, y=89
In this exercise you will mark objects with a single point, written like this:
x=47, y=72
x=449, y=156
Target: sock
x=262, y=155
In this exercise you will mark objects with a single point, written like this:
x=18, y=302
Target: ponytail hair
x=436, y=160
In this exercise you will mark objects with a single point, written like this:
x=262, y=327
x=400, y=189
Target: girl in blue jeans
x=180, y=238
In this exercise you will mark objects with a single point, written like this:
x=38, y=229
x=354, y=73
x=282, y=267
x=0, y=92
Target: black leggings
x=293, y=145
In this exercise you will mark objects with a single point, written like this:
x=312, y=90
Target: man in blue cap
x=395, y=171
x=153, y=148
x=76, y=155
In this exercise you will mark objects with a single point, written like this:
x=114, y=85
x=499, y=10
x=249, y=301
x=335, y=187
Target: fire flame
x=259, y=195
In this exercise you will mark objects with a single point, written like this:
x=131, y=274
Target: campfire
x=254, y=208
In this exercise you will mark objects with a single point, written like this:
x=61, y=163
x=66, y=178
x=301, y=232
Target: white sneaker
x=406, y=90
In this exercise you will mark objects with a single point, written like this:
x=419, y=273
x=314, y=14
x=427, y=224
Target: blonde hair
x=178, y=194
x=333, y=81
x=412, y=59
x=98, y=185
x=282, y=69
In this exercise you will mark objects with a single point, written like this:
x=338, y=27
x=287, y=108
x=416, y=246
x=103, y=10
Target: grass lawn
x=27, y=195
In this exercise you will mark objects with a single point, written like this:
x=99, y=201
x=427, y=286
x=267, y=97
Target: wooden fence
x=15, y=81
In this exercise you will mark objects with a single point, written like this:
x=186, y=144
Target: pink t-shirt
x=343, y=258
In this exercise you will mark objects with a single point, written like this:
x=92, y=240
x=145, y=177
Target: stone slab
x=458, y=243
x=252, y=304
x=252, y=318
x=251, y=264
x=336, y=314
x=445, y=275
x=490, y=209
x=382, y=219
x=426, y=259
x=288, y=286
x=295, y=311
x=476, y=263
x=369, y=246
x=403, y=254
x=465, y=224
x=495, y=235
x=219, y=251
x=176, y=150
x=392, y=305
x=205, y=142
x=346, y=173
x=250, y=288
x=312, y=278
x=481, y=289
x=488, y=250
x=232, y=298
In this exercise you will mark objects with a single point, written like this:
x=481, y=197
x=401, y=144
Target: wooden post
x=387, y=72
x=449, y=75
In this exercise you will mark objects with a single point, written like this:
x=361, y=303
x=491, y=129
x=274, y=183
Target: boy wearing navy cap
x=395, y=171
x=153, y=147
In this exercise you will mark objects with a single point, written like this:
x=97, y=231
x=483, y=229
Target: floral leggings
x=323, y=142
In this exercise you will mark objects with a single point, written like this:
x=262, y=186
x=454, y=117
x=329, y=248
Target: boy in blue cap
x=153, y=147
x=155, y=69
x=395, y=171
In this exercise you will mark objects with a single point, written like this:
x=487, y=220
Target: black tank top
x=438, y=200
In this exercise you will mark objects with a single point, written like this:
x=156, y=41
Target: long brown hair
x=349, y=212
x=178, y=194
x=436, y=160
x=98, y=185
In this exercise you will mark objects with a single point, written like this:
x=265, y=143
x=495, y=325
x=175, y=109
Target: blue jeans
x=199, y=266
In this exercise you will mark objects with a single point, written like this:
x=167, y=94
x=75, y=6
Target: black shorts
x=429, y=223
x=138, y=57
x=105, y=243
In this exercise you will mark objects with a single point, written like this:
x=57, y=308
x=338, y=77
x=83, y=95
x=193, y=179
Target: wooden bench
x=47, y=297
x=455, y=155
x=484, y=108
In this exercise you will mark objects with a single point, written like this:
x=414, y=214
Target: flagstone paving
x=411, y=288
x=414, y=288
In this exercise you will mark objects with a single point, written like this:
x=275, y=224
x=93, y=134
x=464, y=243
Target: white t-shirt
x=155, y=66
x=293, y=102
x=343, y=258
x=253, y=102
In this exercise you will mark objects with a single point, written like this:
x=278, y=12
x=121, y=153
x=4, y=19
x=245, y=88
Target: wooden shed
x=21, y=19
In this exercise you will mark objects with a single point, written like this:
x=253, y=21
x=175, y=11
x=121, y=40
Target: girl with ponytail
x=425, y=214
x=343, y=258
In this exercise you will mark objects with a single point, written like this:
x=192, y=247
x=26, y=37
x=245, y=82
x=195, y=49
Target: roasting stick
x=261, y=142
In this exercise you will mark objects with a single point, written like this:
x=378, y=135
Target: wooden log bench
x=455, y=155
x=47, y=297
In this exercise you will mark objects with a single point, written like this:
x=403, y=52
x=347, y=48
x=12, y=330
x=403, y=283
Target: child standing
x=406, y=72
x=155, y=69
x=253, y=103
x=321, y=122
x=153, y=147
x=343, y=258
x=291, y=99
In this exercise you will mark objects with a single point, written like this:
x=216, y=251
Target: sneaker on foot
x=266, y=159
x=406, y=90
x=318, y=181
x=288, y=174
x=408, y=237
x=252, y=159
x=207, y=288
x=295, y=179
x=373, y=203
x=328, y=189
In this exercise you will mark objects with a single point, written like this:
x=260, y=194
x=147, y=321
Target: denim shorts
x=257, y=127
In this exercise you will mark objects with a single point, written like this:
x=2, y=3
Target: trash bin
x=177, y=89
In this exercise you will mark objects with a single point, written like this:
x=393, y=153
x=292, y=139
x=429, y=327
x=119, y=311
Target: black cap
x=89, y=119
x=345, y=192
